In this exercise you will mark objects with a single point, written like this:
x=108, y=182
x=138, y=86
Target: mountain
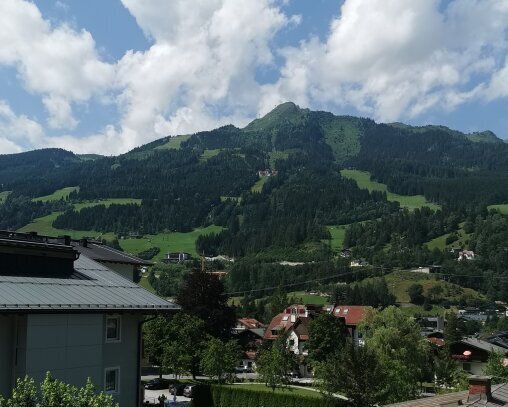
x=282, y=188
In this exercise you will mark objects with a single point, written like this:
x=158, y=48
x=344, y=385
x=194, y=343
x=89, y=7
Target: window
x=112, y=380
x=113, y=327
x=466, y=367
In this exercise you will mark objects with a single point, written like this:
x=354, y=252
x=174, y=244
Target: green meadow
x=411, y=202
x=338, y=233
x=44, y=225
x=258, y=186
x=168, y=242
x=57, y=195
x=174, y=142
x=503, y=208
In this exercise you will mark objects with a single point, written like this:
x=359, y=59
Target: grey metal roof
x=103, y=253
x=92, y=287
x=484, y=345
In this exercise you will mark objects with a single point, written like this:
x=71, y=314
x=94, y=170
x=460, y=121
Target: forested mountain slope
x=275, y=186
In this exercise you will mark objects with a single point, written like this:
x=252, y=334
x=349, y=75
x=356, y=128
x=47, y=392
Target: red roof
x=250, y=323
x=437, y=341
x=282, y=322
x=352, y=314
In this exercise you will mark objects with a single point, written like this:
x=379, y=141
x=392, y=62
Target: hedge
x=229, y=396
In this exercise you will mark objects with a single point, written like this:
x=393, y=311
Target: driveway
x=152, y=398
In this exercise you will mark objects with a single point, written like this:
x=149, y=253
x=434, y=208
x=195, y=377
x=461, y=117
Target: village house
x=472, y=354
x=294, y=321
x=61, y=311
x=176, y=257
x=125, y=264
x=249, y=333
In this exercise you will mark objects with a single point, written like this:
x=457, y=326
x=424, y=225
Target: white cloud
x=396, y=59
x=199, y=73
x=390, y=59
x=17, y=132
x=57, y=62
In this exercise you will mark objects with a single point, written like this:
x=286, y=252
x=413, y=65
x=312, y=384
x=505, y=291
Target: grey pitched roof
x=91, y=288
x=103, y=253
x=484, y=345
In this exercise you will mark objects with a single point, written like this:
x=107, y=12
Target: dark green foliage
x=356, y=373
x=415, y=292
x=202, y=295
x=149, y=253
x=170, y=278
x=19, y=210
x=327, y=335
x=229, y=396
x=444, y=166
x=373, y=292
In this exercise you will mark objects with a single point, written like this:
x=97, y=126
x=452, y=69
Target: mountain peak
x=287, y=111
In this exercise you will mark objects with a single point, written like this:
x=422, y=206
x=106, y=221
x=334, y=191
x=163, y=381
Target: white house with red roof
x=294, y=321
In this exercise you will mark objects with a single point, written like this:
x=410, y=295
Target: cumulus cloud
x=199, y=73
x=396, y=59
x=17, y=133
x=57, y=62
x=389, y=59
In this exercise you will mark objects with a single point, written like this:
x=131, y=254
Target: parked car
x=157, y=384
x=187, y=391
x=178, y=387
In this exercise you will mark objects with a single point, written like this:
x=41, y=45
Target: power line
x=350, y=273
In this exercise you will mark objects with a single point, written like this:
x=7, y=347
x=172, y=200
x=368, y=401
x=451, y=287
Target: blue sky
x=106, y=76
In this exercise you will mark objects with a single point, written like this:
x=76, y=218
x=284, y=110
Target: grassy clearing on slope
x=258, y=186
x=3, y=196
x=503, y=208
x=338, y=233
x=44, y=225
x=107, y=202
x=57, y=195
x=168, y=242
x=411, y=202
x=440, y=241
x=209, y=154
x=174, y=142
x=399, y=281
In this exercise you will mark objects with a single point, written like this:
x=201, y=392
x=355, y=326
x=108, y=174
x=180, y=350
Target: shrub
x=229, y=396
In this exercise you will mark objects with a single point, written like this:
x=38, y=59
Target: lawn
x=57, y=195
x=174, y=142
x=503, y=208
x=258, y=186
x=168, y=242
x=308, y=298
x=363, y=181
x=3, y=196
x=338, y=233
x=300, y=391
